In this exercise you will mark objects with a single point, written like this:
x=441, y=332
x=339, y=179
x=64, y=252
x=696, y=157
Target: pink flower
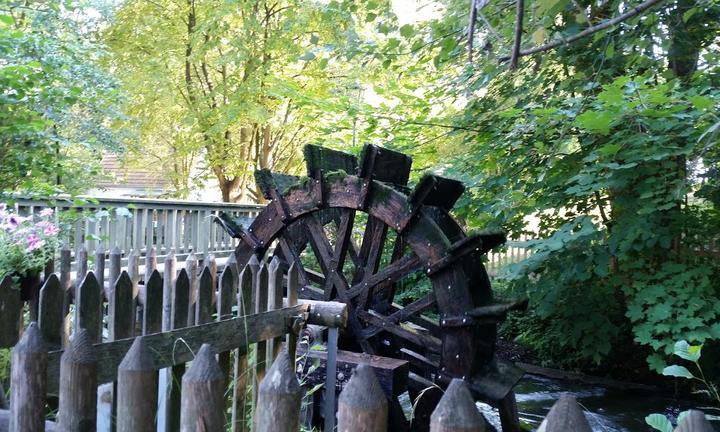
x=51, y=230
x=34, y=242
x=14, y=221
x=46, y=212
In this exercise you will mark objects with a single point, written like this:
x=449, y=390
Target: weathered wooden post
x=137, y=390
x=565, y=415
x=456, y=411
x=114, y=269
x=694, y=421
x=362, y=406
x=3, y=401
x=279, y=397
x=152, y=309
x=50, y=316
x=202, y=393
x=150, y=260
x=78, y=385
x=27, y=381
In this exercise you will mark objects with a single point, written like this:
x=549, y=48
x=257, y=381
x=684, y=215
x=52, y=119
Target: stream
x=607, y=409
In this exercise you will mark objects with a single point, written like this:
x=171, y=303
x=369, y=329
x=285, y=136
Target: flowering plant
x=26, y=243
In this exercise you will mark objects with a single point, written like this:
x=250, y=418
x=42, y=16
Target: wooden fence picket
x=10, y=313
x=279, y=398
x=152, y=309
x=27, y=382
x=276, y=275
x=242, y=374
x=261, y=302
x=77, y=409
x=203, y=303
x=137, y=390
x=88, y=307
x=50, y=316
x=202, y=393
x=191, y=267
x=225, y=300
x=180, y=312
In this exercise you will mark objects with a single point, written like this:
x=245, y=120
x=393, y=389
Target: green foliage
x=608, y=146
x=57, y=105
x=691, y=353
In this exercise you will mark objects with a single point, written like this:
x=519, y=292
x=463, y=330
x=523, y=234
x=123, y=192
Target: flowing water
x=607, y=409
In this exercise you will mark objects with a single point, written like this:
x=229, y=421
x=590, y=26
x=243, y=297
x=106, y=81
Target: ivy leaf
x=678, y=371
x=659, y=422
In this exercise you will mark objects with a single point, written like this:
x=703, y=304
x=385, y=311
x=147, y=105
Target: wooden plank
x=177, y=346
x=88, y=309
x=391, y=373
x=50, y=319
x=319, y=159
x=100, y=265
x=114, y=268
x=11, y=316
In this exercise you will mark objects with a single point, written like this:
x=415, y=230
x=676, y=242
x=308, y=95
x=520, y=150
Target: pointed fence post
x=88, y=307
x=78, y=385
x=694, y=421
x=27, y=381
x=275, y=299
x=3, y=401
x=456, y=411
x=137, y=390
x=242, y=375
x=11, y=316
x=100, y=265
x=261, y=298
x=81, y=265
x=191, y=266
x=565, y=415
x=362, y=406
x=150, y=261
x=181, y=301
x=50, y=315
x=203, y=386
x=152, y=309
x=279, y=397
x=114, y=269
x=225, y=300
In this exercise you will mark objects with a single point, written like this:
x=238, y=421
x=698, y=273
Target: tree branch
x=519, y=11
x=471, y=29
x=588, y=31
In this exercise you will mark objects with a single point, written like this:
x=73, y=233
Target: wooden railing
x=133, y=224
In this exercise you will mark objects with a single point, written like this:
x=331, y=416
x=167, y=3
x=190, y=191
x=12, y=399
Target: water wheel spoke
x=392, y=273
x=427, y=341
x=404, y=314
x=292, y=256
x=333, y=275
x=371, y=249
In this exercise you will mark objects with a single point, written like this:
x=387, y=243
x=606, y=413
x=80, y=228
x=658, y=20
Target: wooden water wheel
x=359, y=235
